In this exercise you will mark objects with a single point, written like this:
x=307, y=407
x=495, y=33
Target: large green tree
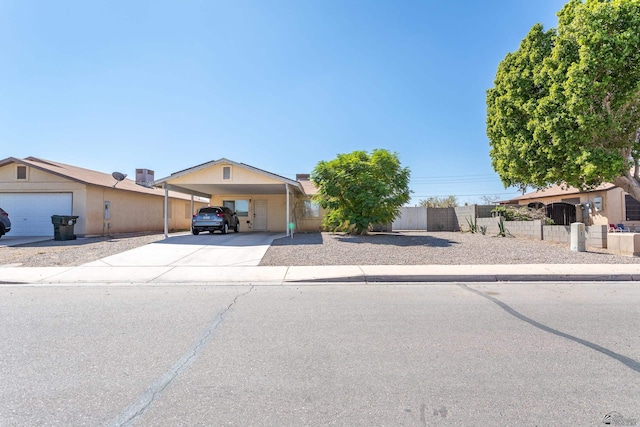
x=359, y=189
x=565, y=107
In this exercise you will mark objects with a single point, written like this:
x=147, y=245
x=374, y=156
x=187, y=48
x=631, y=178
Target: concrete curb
x=319, y=274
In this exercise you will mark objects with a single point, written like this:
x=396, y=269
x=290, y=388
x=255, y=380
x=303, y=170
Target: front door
x=260, y=215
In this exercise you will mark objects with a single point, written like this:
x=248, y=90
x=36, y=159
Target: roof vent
x=144, y=177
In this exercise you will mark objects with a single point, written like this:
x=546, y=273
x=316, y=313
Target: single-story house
x=33, y=189
x=263, y=201
x=603, y=205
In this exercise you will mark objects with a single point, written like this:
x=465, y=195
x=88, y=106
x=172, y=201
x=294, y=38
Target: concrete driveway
x=233, y=249
x=22, y=240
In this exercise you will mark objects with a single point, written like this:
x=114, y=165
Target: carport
x=264, y=200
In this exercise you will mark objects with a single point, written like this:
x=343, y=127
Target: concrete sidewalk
x=102, y=273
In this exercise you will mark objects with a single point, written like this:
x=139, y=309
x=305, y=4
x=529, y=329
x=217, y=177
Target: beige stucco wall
x=307, y=224
x=134, y=212
x=276, y=212
x=276, y=209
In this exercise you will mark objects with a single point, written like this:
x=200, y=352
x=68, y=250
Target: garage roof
x=86, y=176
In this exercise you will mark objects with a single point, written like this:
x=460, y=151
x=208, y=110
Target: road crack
x=154, y=391
x=627, y=361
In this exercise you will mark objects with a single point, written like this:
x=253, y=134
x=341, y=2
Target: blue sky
x=280, y=85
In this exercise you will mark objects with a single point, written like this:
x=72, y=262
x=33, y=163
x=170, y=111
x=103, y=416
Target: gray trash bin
x=63, y=227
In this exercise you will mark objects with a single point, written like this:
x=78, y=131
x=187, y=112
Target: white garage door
x=30, y=214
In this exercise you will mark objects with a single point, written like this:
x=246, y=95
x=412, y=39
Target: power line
x=467, y=195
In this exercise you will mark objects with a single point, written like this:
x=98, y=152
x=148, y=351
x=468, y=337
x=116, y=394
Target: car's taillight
x=4, y=214
x=195, y=216
x=220, y=215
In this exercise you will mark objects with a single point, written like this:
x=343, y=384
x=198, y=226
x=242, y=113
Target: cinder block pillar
x=578, y=237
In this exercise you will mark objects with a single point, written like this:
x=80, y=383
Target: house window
x=240, y=207
x=632, y=208
x=231, y=204
x=226, y=172
x=21, y=172
x=310, y=209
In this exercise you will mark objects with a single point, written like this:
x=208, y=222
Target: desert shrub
x=521, y=213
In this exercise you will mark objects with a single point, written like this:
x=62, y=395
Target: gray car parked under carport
x=214, y=218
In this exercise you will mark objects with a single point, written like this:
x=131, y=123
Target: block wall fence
x=456, y=219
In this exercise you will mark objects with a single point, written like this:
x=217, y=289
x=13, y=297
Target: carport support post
x=286, y=187
x=166, y=210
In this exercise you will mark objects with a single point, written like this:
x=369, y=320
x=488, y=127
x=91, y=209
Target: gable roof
x=225, y=161
x=86, y=176
x=200, y=189
x=308, y=185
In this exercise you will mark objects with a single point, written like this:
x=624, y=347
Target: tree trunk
x=629, y=184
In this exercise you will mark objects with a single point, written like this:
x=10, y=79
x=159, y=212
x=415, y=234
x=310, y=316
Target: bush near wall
x=521, y=213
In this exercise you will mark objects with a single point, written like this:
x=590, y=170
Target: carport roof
x=206, y=190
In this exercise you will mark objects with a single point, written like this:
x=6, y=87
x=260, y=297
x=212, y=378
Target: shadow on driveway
x=256, y=238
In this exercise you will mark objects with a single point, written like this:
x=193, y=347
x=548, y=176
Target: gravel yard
x=405, y=248
x=415, y=248
x=52, y=253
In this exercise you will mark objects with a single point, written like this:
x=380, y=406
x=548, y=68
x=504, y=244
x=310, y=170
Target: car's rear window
x=209, y=210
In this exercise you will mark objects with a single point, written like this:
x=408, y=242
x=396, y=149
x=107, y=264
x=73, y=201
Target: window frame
x=226, y=177
x=26, y=173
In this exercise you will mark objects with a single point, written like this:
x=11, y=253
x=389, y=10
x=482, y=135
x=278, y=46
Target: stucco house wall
x=226, y=180
x=130, y=212
x=276, y=210
x=133, y=208
x=308, y=220
x=613, y=203
x=213, y=174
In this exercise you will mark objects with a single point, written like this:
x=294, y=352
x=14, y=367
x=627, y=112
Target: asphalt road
x=418, y=354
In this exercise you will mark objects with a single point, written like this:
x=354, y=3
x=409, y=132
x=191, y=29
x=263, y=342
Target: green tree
x=439, y=202
x=565, y=107
x=359, y=189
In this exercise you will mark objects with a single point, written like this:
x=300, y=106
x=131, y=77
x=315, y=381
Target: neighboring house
x=33, y=189
x=264, y=201
x=605, y=204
